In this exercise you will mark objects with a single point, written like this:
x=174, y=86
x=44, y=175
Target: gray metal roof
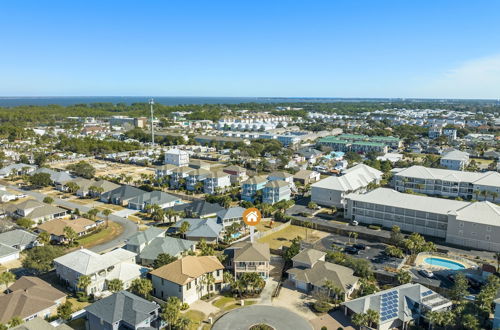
x=122, y=306
x=231, y=213
x=170, y=245
x=6, y=250
x=17, y=237
x=201, y=227
x=147, y=235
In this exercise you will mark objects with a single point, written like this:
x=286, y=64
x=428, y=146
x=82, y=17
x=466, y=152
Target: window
x=180, y=288
x=488, y=237
x=188, y=286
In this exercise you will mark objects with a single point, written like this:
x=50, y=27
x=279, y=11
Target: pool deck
x=420, y=263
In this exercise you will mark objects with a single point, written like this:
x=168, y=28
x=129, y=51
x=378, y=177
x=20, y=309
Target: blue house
x=250, y=187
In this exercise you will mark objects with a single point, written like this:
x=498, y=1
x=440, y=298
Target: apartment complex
x=177, y=157
x=455, y=160
x=449, y=183
x=361, y=143
x=474, y=225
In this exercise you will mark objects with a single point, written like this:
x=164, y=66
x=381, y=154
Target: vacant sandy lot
x=104, y=168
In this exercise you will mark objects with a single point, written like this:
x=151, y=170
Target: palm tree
x=209, y=281
x=350, y=235
x=494, y=195
x=484, y=193
x=184, y=228
x=7, y=278
x=83, y=283
x=372, y=316
x=469, y=321
x=403, y=277
x=360, y=320
x=307, y=225
x=355, y=236
x=170, y=213
x=477, y=192
x=106, y=213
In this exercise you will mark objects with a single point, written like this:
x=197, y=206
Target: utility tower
x=151, y=103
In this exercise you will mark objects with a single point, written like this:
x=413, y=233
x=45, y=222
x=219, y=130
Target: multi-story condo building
x=237, y=173
x=164, y=170
x=177, y=157
x=250, y=187
x=471, y=224
x=275, y=191
x=332, y=190
x=344, y=145
x=455, y=160
x=216, y=182
x=449, y=183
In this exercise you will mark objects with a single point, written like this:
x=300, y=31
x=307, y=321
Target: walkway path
x=267, y=293
x=129, y=228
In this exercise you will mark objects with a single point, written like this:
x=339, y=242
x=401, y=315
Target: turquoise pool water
x=236, y=235
x=444, y=263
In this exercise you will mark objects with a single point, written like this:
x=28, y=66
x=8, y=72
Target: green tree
x=460, y=287
x=7, y=278
x=83, y=283
x=209, y=281
x=25, y=222
x=40, y=180
x=394, y=251
x=184, y=228
x=83, y=169
x=205, y=248
x=163, y=259
x=70, y=234
x=64, y=310
x=312, y=205
x=397, y=238
x=106, y=213
x=172, y=312
x=403, y=277
x=15, y=321
x=44, y=238
x=115, y=285
x=293, y=250
x=469, y=321
x=373, y=317
x=48, y=200
x=40, y=258
x=141, y=287
x=360, y=320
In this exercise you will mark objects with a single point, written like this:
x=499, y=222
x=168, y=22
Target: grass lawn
x=114, y=229
x=77, y=305
x=284, y=237
x=228, y=303
x=481, y=161
x=223, y=301
x=196, y=318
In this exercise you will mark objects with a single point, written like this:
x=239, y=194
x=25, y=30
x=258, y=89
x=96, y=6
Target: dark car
x=360, y=246
x=351, y=250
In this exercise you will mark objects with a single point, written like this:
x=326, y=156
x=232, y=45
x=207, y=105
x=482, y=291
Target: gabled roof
x=281, y=175
x=6, y=250
x=487, y=178
x=277, y=184
x=187, y=269
x=217, y=174
x=55, y=176
x=8, y=169
x=56, y=226
x=154, y=197
x=122, y=306
x=40, y=324
x=169, y=245
x=256, y=180
x=354, y=178
x=235, y=168
x=145, y=236
x=253, y=252
x=322, y=271
x=106, y=185
x=29, y=296
x=480, y=212
x=455, y=155
x=200, y=208
x=17, y=237
x=303, y=174
x=87, y=262
x=39, y=209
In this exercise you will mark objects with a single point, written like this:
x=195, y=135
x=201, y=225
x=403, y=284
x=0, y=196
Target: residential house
x=238, y=174
x=216, y=182
x=103, y=187
x=280, y=176
x=231, y=215
x=164, y=170
x=55, y=228
x=186, y=278
x=28, y=298
x=91, y=188
x=196, y=176
x=310, y=272
x=199, y=164
x=455, y=160
x=177, y=157
x=249, y=257
x=311, y=155
x=121, y=195
x=207, y=229
x=16, y=169
x=155, y=197
x=37, y=211
x=13, y=242
x=6, y=196
x=276, y=191
x=332, y=190
x=123, y=310
x=150, y=243
x=250, y=187
x=399, y=306
x=199, y=209
x=179, y=175
x=58, y=178
x=40, y=324
x=118, y=263
x=306, y=177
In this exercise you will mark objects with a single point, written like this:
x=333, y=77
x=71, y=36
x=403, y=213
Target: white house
x=177, y=157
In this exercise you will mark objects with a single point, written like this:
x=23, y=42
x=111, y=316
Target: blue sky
x=433, y=49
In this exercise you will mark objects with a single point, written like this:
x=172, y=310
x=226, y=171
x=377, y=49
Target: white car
x=426, y=273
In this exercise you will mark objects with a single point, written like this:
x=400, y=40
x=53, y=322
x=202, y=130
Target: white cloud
x=478, y=78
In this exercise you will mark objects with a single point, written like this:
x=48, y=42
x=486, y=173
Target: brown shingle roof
x=56, y=227
x=187, y=269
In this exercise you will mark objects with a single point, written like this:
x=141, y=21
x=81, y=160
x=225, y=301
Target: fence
x=262, y=234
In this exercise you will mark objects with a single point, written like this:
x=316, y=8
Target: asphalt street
x=129, y=228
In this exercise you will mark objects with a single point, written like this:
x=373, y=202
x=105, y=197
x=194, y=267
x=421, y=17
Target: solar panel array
x=427, y=293
x=389, y=305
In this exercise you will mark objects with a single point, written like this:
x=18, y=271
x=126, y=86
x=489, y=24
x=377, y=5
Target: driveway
x=129, y=228
x=295, y=301
x=125, y=213
x=333, y=320
x=277, y=317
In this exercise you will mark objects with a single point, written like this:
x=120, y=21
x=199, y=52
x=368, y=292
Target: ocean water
x=166, y=100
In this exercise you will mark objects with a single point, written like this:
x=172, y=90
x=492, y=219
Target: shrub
x=322, y=306
x=82, y=296
x=184, y=306
x=374, y=227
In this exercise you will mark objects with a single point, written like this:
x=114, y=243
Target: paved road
x=277, y=317
x=129, y=228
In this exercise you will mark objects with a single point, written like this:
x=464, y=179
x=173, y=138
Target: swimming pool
x=445, y=263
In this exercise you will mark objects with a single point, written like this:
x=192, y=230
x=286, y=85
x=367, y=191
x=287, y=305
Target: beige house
x=251, y=258
x=55, y=228
x=188, y=278
x=29, y=298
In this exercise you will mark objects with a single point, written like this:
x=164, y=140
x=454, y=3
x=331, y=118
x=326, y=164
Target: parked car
x=351, y=250
x=354, y=223
x=426, y=273
x=360, y=246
